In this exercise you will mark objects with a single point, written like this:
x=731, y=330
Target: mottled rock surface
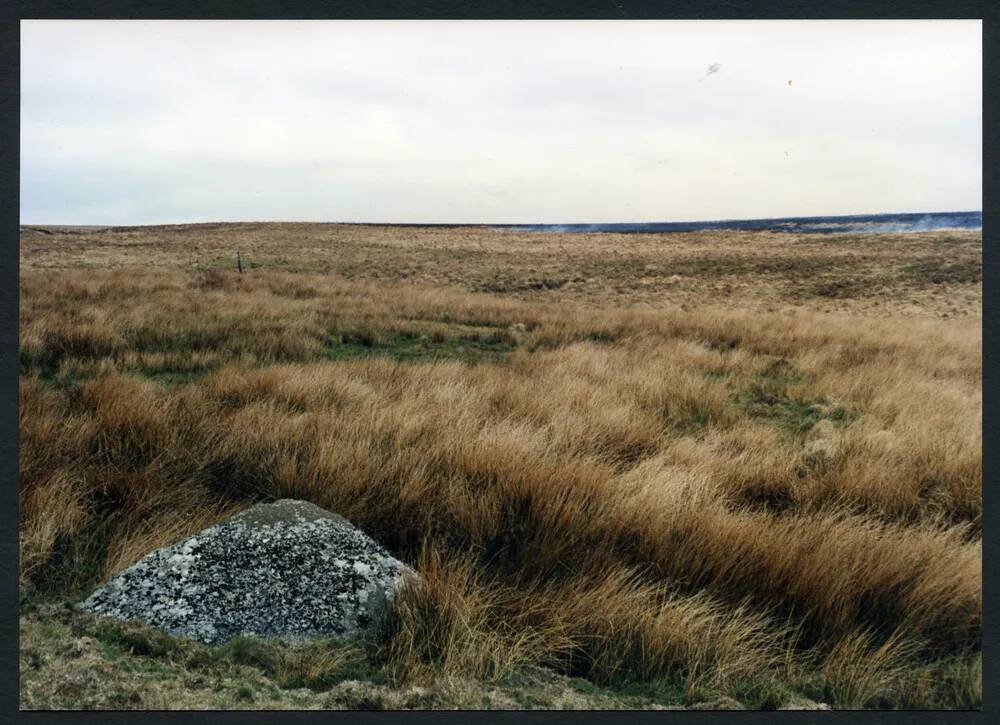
x=287, y=570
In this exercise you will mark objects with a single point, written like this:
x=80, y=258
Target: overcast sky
x=133, y=122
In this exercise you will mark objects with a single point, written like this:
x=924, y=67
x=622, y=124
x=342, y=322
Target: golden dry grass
x=662, y=483
x=936, y=274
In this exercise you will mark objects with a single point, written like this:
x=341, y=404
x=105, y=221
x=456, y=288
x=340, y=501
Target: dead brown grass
x=623, y=493
x=926, y=274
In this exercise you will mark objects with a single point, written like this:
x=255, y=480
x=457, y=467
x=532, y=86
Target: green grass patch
x=175, y=376
x=768, y=397
x=252, y=652
x=662, y=691
x=762, y=693
x=940, y=271
x=51, y=380
x=167, y=376
x=135, y=639
x=410, y=347
x=317, y=665
x=690, y=425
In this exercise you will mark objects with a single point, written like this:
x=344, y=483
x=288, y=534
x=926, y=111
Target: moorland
x=633, y=470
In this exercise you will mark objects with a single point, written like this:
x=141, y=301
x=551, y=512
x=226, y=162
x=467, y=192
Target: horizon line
x=504, y=224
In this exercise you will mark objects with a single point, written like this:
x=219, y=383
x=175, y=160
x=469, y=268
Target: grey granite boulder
x=288, y=570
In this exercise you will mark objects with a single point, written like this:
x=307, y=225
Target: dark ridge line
x=853, y=223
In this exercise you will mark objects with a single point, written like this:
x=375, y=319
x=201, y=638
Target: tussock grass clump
x=857, y=671
x=611, y=628
x=456, y=623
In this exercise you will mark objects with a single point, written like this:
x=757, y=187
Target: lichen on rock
x=287, y=570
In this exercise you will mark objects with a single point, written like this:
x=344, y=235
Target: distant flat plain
x=931, y=273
